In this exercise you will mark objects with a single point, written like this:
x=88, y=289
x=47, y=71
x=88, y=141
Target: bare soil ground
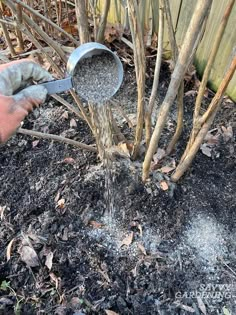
x=166, y=252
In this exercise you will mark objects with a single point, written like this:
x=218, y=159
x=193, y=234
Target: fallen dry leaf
x=35, y=143
x=112, y=33
x=154, y=40
x=206, y=150
x=201, y=305
x=116, y=152
x=55, y=279
x=191, y=93
x=48, y=261
x=69, y=160
x=227, y=133
x=61, y=203
x=2, y=209
x=69, y=27
x=9, y=247
x=226, y=311
x=190, y=73
x=143, y=250
x=159, y=155
x=95, y=224
x=164, y=186
x=73, y=123
x=108, y=312
x=167, y=169
x=133, y=119
x=127, y=240
x=29, y=256
x=57, y=196
x=65, y=234
x=130, y=146
x=212, y=139
x=65, y=115
x=140, y=230
x=138, y=225
x=123, y=147
x=18, y=50
x=187, y=308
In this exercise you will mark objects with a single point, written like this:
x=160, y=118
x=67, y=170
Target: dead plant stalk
x=197, y=119
x=18, y=32
x=7, y=36
x=149, y=110
x=180, y=94
x=47, y=20
x=47, y=136
x=212, y=56
x=184, y=59
x=206, y=123
x=82, y=20
x=52, y=43
x=140, y=69
x=103, y=22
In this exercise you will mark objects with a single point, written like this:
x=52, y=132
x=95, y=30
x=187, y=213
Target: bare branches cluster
x=48, y=36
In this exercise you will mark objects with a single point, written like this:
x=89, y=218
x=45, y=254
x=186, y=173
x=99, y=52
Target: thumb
x=35, y=94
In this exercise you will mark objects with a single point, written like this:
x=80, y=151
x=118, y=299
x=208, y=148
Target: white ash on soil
x=96, y=78
x=112, y=235
x=208, y=238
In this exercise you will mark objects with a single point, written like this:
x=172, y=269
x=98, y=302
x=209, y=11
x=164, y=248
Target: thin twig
x=83, y=112
x=4, y=58
x=48, y=49
x=127, y=42
x=171, y=33
x=211, y=58
x=103, y=22
x=45, y=12
x=117, y=134
x=227, y=266
x=6, y=35
x=180, y=117
x=19, y=34
x=221, y=90
x=149, y=110
x=67, y=105
x=40, y=32
x=56, y=138
x=123, y=114
x=180, y=95
x=48, y=21
x=93, y=8
x=197, y=119
x=26, y=31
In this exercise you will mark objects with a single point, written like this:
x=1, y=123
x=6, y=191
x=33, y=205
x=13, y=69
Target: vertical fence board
x=183, y=17
x=228, y=43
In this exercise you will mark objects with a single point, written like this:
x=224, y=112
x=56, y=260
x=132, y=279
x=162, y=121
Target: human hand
x=15, y=107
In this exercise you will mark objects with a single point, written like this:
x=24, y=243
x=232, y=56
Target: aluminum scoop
x=87, y=50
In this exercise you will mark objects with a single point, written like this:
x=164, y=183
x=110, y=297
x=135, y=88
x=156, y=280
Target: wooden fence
x=181, y=14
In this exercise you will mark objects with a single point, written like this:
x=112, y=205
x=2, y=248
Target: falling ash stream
x=101, y=118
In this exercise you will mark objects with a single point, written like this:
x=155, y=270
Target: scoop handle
x=58, y=86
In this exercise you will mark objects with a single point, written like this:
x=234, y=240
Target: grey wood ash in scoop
x=95, y=79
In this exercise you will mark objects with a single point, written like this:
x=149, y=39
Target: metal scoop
x=87, y=50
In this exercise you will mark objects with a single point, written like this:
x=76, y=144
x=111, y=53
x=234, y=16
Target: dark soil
x=179, y=256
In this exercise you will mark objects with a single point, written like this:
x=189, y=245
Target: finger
x=9, y=64
x=9, y=125
x=31, y=97
x=16, y=74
